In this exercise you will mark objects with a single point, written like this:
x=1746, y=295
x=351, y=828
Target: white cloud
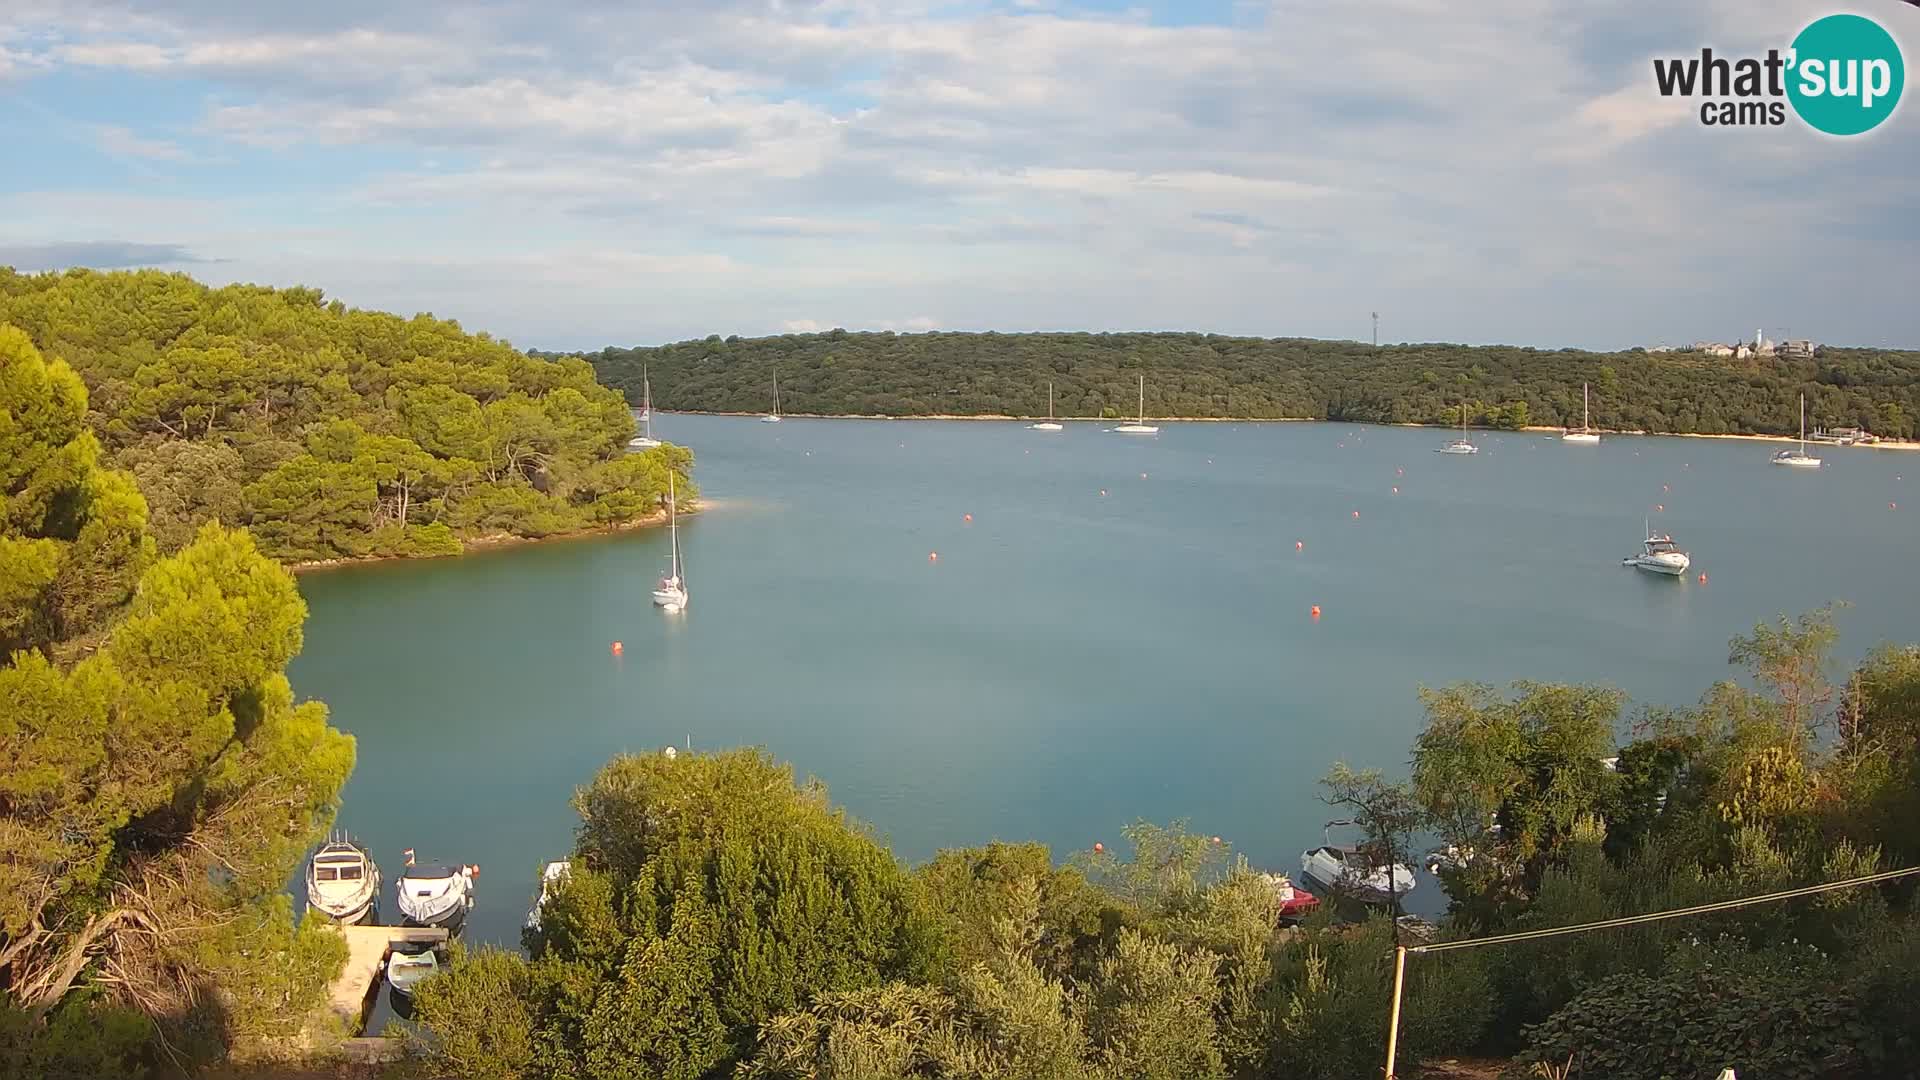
x=1063, y=167
x=122, y=142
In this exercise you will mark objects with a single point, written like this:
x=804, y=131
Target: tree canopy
x=158, y=781
x=331, y=431
x=1210, y=375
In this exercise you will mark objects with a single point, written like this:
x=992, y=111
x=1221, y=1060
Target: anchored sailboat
x=645, y=440
x=774, y=416
x=1140, y=426
x=1048, y=424
x=1586, y=436
x=1459, y=445
x=1799, y=459
x=671, y=594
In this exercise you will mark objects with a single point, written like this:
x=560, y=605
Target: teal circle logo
x=1845, y=74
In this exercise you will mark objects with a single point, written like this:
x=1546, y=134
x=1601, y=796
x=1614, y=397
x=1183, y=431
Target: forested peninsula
x=1210, y=376
x=328, y=431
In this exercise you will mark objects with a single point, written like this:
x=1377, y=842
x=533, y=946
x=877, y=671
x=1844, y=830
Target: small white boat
x=550, y=877
x=774, y=416
x=1586, y=436
x=1798, y=459
x=1140, y=426
x=406, y=969
x=1346, y=870
x=670, y=594
x=1658, y=555
x=343, y=882
x=1048, y=424
x=436, y=895
x=1459, y=445
x=645, y=440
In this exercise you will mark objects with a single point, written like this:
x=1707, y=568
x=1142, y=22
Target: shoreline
x=1884, y=444
x=495, y=541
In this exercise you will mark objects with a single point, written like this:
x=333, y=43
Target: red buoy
x=1099, y=847
x=1703, y=579
x=1316, y=611
x=1356, y=515
x=933, y=556
x=966, y=517
x=616, y=648
x=1299, y=545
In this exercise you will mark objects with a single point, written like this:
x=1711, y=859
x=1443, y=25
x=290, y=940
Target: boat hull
x=1798, y=463
x=669, y=601
x=769, y=419
x=1048, y=426
x=1136, y=429
x=642, y=444
x=1580, y=439
x=1457, y=451
x=1669, y=567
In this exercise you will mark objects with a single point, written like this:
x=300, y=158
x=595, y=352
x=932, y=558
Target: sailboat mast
x=673, y=523
x=1803, y=423
x=1143, y=401
x=1586, y=418
x=1049, y=399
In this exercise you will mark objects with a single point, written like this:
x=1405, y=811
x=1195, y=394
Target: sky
x=581, y=173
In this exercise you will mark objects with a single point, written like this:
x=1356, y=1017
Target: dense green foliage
x=158, y=782
x=1207, y=375
x=721, y=920
x=332, y=432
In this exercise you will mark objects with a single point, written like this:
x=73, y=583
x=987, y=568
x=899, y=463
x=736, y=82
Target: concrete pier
x=352, y=995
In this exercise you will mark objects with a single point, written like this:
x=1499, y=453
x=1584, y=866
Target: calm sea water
x=1121, y=631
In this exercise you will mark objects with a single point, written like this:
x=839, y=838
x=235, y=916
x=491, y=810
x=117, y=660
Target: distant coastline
x=1884, y=444
x=493, y=541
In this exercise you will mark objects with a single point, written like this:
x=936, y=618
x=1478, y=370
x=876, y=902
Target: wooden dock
x=352, y=995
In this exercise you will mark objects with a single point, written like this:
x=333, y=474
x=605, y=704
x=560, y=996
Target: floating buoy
x=1209, y=461
x=616, y=648
x=1216, y=839
x=1356, y=515
x=1396, y=490
x=1703, y=579
x=1143, y=476
x=1893, y=506
x=1399, y=472
x=1099, y=847
x=1665, y=487
x=933, y=556
x=1103, y=493
x=966, y=517
x=1316, y=611
x=1660, y=507
x=1299, y=545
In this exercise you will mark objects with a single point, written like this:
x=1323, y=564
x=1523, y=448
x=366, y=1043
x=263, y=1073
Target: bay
x=1123, y=630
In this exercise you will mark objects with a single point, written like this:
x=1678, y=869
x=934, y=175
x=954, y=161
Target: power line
x=1656, y=916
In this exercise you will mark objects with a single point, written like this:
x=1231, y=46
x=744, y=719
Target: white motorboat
x=1349, y=871
x=1798, y=459
x=774, y=416
x=1140, y=426
x=1459, y=445
x=343, y=882
x=1586, y=436
x=436, y=895
x=1049, y=424
x=1658, y=555
x=670, y=594
x=645, y=440
x=550, y=877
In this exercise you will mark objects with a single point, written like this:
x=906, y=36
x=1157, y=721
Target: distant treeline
x=330, y=431
x=1207, y=375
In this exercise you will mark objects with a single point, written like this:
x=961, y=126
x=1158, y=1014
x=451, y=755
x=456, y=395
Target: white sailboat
x=670, y=594
x=1140, y=426
x=1459, y=445
x=1048, y=424
x=1586, y=436
x=1658, y=555
x=774, y=416
x=645, y=440
x=1799, y=459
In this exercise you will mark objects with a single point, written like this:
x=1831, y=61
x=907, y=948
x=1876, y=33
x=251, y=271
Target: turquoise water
x=1072, y=660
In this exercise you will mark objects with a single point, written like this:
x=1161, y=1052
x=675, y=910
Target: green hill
x=330, y=431
x=1206, y=375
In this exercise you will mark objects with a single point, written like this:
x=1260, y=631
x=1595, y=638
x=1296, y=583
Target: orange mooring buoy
x=1299, y=545
x=1316, y=611
x=616, y=648
x=1216, y=839
x=966, y=517
x=1098, y=846
x=1703, y=579
x=933, y=556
